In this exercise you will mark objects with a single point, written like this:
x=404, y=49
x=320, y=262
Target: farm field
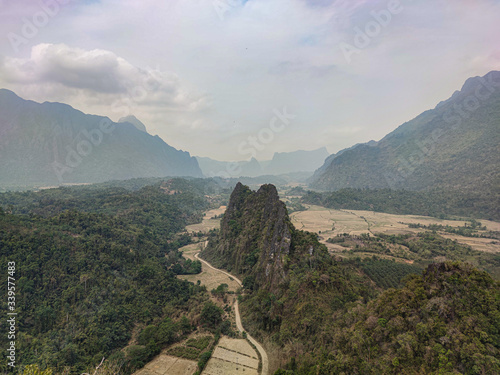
x=232, y=356
x=329, y=222
x=209, y=277
x=208, y=223
x=168, y=365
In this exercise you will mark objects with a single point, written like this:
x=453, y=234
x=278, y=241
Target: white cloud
x=60, y=70
x=264, y=54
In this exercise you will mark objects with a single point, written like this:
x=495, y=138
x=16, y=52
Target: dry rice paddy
x=208, y=276
x=329, y=222
x=168, y=365
x=232, y=356
x=208, y=223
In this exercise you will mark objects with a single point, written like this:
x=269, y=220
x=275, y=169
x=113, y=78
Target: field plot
x=168, y=365
x=208, y=276
x=208, y=223
x=329, y=222
x=232, y=356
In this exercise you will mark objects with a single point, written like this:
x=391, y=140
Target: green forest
x=95, y=264
x=436, y=203
x=399, y=310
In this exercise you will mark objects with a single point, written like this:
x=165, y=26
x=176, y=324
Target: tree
x=211, y=315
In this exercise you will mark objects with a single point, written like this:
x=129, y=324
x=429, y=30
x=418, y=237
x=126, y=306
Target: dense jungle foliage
x=95, y=264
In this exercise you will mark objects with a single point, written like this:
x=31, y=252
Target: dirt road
x=260, y=349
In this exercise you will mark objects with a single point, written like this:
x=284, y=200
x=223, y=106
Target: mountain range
x=281, y=163
x=53, y=143
x=453, y=146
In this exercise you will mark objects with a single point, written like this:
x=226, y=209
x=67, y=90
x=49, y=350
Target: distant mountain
x=318, y=172
x=53, y=143
x=282, y=163
x=134, y=121
x=251, y=168
x=296, y=161
x=453, y=146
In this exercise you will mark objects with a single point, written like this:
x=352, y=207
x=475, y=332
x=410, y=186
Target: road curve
x=260, y=349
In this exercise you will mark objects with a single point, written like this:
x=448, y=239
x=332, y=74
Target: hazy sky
x=205, y=75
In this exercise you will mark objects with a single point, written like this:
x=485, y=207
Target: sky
x=232, y=79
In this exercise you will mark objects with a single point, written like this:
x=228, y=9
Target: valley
x=231, y=355
x=330, y=222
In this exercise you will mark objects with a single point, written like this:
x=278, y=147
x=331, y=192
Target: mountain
x=134, y=121
x=318, y=172
x=291, y=281
x=53, y=143
x=282, y=163
x=444, y=321
x=323, y=313
x=255, y=236
x=251, y=168
x=453, y=146
x=296, y=161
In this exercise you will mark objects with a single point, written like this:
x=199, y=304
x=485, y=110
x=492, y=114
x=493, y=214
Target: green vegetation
x=436, y=203
x=468, y=230
x=200, y=343
x=387, y=273
x=421, y=248
x=194, y=349
x=293, y=286
x=93, y=263
x=446, y=321
x=211, y=315
x=185, y=352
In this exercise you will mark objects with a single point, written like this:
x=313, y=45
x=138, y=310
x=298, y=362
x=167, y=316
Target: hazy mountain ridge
x=53, y=143
x=281, y=163
x=131, y=119
x=454, y=145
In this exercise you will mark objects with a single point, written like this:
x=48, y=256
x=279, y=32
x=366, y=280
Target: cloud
x=57, y=70
x=230, y=74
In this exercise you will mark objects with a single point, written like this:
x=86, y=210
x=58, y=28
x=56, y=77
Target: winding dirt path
x=260, y=349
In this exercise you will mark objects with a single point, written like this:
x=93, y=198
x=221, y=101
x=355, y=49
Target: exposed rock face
x=255, y=236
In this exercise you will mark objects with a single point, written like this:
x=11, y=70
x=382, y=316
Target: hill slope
x=53, y=143
x=454, y=145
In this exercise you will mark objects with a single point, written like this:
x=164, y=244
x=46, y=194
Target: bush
x=203, y=360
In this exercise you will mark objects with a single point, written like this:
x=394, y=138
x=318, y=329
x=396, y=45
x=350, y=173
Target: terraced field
x=232, y=356
x=168, y=365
